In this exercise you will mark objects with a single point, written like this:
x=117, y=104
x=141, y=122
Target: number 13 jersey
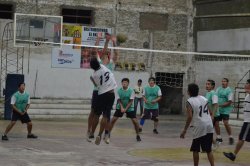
x=104, y=80
x=201, y=120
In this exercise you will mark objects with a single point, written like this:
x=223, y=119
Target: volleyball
x=121, y=38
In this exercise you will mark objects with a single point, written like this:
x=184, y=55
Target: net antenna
x=37, y=31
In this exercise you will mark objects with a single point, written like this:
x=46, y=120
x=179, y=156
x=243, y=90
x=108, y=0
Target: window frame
x=76, y=16
x=12, y=11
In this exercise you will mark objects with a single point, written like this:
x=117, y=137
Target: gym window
x=6, y=11
x=77, y=16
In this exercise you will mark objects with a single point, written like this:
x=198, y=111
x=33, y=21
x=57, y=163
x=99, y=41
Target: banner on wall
x=66, y=57
x=90, y=34
x=77, y=56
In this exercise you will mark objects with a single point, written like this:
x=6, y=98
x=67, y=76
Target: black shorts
x=204, y=143
x=104, y=104
x=24, y=118
x=150, y=113
x=222, y=117
x=245, y=132
x=94, y=99
x=130, y=114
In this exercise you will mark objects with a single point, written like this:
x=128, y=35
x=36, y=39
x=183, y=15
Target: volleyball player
x=125, y=105
x=199, y=119
x=104, y=79
x=245, y=129
x=152, y=95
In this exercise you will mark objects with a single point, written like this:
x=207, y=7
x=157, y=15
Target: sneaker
x=91, y=138
x=230, y=155
x=231, y=141
x=219, y=141
x=31, y=136
x=5, y=138
x=138, y=138
x=106, y=139
x=98, y=140
x=140, y=130
x=155, y=131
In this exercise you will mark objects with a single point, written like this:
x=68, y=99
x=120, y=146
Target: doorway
x=171, y=85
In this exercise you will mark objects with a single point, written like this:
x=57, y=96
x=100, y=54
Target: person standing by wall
x=138, y=96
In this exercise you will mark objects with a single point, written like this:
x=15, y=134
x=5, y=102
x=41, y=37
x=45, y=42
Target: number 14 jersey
x=201, y=120
x=104, y=80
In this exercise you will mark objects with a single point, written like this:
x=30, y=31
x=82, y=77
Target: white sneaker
x=90, y=138
x=107, y=140
x=87, y=135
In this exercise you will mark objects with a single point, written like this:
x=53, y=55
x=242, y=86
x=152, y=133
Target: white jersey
x=104, y=80
x=201, y=120
x=247, y=109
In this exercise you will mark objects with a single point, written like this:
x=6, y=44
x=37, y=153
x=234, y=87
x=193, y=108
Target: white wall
x=216, y=70
x=65, y=83
x=224, y=40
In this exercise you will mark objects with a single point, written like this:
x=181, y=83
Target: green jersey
x=152, y=93
x=110, y=65
x=20, y=100
x=212, y=99
x=125, y=96
x=224, y=95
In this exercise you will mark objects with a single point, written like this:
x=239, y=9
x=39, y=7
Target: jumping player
x=104, y=79
x=108, y=60
x=109, y=63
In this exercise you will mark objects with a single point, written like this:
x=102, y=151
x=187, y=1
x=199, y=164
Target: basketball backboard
x=31, y=30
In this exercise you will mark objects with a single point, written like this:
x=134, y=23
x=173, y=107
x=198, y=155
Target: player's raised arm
x=99, y=36
x=105, y=48
x=116, y=55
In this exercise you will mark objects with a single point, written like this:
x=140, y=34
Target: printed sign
x=66, y=57
x=77, y=56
